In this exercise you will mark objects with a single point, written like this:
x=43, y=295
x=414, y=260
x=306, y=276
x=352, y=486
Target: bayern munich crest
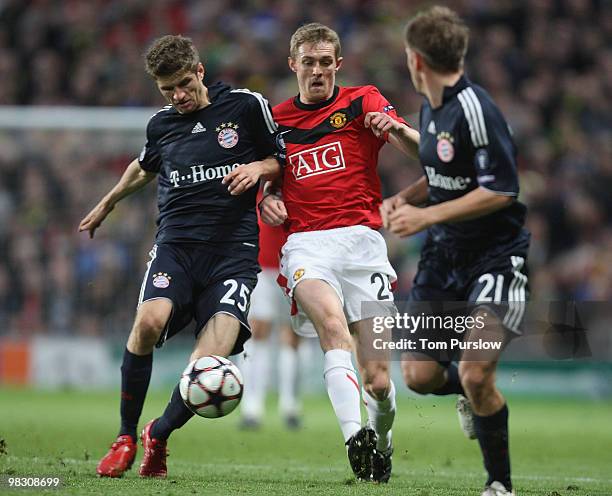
x=227, y=135
x=161, y=280
x=445, y=148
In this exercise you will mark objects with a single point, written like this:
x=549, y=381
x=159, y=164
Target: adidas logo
x=432, y=127
x=198, y=128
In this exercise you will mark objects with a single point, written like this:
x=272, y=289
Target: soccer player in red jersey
x=269, y=311
x=335, y=259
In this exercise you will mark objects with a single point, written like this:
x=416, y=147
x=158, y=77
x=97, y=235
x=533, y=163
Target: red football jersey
x=271, y=240
x=330, y=179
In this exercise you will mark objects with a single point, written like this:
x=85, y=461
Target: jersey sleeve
x=374, y=101
x=150, y=158
x=269, y=141
x=494, y=150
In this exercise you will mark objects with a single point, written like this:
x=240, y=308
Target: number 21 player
x=476, y=245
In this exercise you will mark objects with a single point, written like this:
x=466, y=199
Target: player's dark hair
x=171, y=54
x=440, y=36
x=313, y=33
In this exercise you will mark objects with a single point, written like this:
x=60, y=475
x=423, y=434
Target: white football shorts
x=268, y=303
x=352, y=260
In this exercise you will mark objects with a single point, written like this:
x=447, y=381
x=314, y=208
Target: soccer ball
x=211, y=386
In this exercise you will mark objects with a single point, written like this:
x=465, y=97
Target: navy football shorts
x=495, y=277
x=200, y=285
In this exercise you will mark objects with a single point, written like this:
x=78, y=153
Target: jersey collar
x=316, y=106
x=451, y=91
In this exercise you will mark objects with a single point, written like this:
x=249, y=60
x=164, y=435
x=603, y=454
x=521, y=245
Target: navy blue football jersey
x=466, y=143
x=193, y=152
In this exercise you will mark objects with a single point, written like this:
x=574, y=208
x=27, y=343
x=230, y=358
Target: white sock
x=380, y=416
x=256, y=371
x=288, y=381
x=343, y=390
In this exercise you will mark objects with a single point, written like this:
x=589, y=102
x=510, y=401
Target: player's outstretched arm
x=407, y=219
x=401, y=136
x=132, y=180
x=246, y=176
x=415, y=194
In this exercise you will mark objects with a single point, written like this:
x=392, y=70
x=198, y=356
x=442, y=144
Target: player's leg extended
x=477, y=373
x=322, y=305
x=378, y=396
x=378, y=389
x=423, y=374
x=288, y=380
x=256, y=370
x=218, y=337
x=151, y=319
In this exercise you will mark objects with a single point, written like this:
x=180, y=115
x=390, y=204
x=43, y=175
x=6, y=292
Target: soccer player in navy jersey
x=334, y=258
x=203, y=265
x=476, y=246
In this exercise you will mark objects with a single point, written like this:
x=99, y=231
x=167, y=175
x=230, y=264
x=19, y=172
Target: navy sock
x=175, y=416
x=452, y=385
x=492, y=434
x=135, y=377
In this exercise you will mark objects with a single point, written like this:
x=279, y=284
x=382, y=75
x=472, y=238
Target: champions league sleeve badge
x=227, y=134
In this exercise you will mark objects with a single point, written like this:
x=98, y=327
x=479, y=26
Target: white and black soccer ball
x=211, y=386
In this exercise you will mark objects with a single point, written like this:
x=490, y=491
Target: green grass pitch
x=559, y=448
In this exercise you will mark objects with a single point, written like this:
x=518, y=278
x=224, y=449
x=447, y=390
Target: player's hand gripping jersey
x=330, y=179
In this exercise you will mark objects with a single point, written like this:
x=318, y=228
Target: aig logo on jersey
x=227, y=135
x=445, y=148
x=319, y=160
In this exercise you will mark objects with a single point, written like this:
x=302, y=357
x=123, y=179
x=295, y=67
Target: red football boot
x=119, y=458
x=155, y=452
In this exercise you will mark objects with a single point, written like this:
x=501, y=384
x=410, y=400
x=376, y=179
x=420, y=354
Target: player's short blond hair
x=313, y=33
x=440, y=36
x=170, y=55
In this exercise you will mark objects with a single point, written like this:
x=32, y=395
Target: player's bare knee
x=289, y=338
x=260, y=329
x=377, y=384
x=148, y=328
x=418, y=379
x=475, y=379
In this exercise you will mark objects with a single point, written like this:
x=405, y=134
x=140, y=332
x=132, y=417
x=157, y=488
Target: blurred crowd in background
x=547, y=63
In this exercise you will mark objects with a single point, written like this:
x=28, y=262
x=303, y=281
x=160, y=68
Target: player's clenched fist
x=272, y=210
x=407, y=219
x=388, y=206
x=380, y=123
